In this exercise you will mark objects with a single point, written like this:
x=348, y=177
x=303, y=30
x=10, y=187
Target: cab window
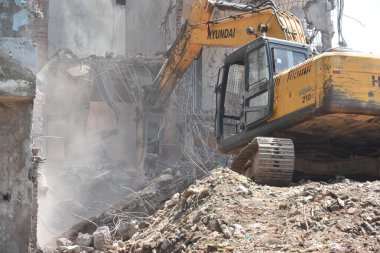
x=285, y=58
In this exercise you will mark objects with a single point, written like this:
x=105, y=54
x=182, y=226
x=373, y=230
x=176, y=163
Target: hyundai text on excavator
x=274, y=98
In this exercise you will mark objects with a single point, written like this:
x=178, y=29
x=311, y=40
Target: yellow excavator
x=274, y=99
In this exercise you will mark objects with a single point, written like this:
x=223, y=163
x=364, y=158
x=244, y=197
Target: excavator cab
x=245, y=87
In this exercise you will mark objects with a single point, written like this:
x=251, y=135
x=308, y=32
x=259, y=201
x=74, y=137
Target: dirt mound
x=227, y=212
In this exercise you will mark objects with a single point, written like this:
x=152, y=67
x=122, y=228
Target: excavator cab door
x=244, y=92
x=259, y=92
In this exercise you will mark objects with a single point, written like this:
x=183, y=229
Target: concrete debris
x=227, y=212
x=85, y=240
x=63, y=242
x=127, y=229
x=70, y=249
x=102, y=237
x=334, y=247
x=127, y=215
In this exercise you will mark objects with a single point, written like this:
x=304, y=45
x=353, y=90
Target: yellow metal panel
x=355, y=77
x=346, y=79
x=294, y=89
x=232, y=32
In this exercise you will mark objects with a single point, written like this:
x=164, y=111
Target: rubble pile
x=227, y=212
x=82, y=190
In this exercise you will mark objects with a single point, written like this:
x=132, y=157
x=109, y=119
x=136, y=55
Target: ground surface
x=226, y=212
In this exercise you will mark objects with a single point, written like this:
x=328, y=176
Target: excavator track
x=268, y=161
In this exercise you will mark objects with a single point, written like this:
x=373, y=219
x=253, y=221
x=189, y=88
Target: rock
x=85, y=240
x=146, y=247
x=347, y=181
x=214, y=235
x=165, y=179
x=334, y=247
x=351, y=210
x=63, y=242
x=256, y=225
x=120, y=244
x=327, y=204
x=204, y=193
x=315, y=248
x=127, y=230
x=102, y=237
x=165, y=246
x=189, y=192
x=226, y=231
x=62, y=248
x=72, y=249
x=213, y=225
x=243, y=189
x=275, y=241
x=237, y=226
x=198, y=215
x=283, y=206
x=168, y=171
x=340, y=202
x=87, y=249
x=334, y=208
x=144, y=225
x=307, y=199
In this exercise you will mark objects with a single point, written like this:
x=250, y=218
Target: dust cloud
x=89, y=143
x=91, y=92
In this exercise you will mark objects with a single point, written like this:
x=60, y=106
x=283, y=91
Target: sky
x=365, y=37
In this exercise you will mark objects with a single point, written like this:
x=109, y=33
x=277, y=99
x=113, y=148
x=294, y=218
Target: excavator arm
x=203, y=29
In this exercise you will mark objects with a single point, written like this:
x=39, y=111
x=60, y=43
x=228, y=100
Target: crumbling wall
x=150, y=28
x=17, y=91
x=16, y=18
x=87, y=28
x=17, y=24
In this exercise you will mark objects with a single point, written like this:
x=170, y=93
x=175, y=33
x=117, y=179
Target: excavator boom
x=203, y=29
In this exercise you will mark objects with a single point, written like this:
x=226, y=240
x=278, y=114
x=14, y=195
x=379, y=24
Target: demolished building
x=86, y=101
